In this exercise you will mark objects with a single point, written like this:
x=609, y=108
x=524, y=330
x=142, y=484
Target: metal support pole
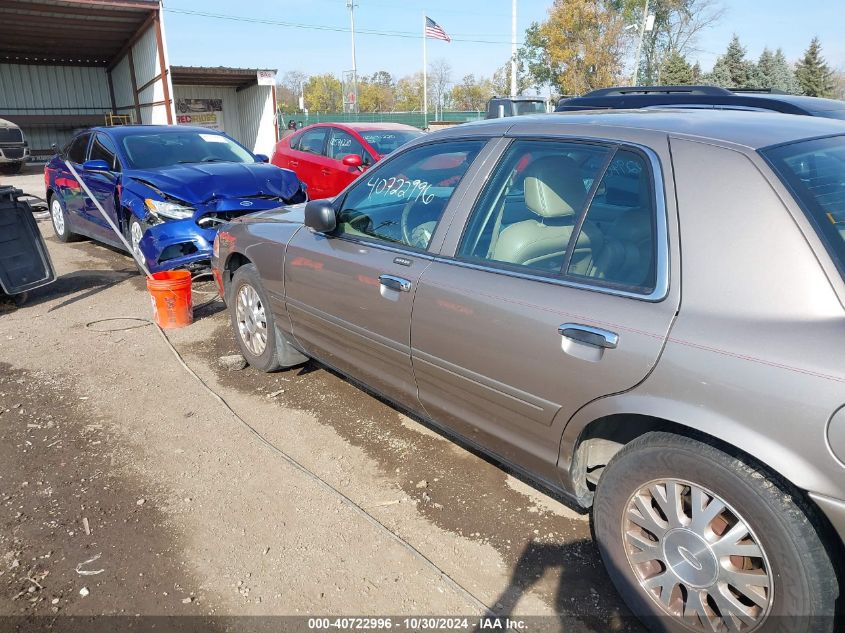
x=513, y=49
x=351, y=5
x=425, y=78
x=635, y=80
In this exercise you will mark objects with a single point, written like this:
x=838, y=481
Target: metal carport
x=67, y=64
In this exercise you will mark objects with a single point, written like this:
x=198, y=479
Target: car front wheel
x=696, y=539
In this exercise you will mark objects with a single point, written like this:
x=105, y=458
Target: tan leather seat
x=555, y=194
x=627, y=250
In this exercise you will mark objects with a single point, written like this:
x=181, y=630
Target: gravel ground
x=126, y=488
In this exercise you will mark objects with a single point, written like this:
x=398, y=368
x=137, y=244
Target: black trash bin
x=24, y=261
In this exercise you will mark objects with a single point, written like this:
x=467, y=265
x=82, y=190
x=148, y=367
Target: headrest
x=553, y=187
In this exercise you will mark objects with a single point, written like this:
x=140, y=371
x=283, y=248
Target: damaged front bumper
x=170, y=244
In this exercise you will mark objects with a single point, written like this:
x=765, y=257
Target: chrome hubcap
x=58, y=216
x=696, y=557
x=136, y=233
x=252, y=323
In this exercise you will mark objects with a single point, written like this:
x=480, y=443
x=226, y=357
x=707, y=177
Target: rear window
x=387, y=141
x=815, y=172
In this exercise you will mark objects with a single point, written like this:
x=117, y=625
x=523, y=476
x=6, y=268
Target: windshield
x=386, y=141
x=148, y=151
x=529, y=107
x=815, y=172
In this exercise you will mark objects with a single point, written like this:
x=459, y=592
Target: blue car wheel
x=58, y=215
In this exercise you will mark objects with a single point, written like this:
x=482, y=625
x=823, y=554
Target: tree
x=472, y=93
x=502, y=77
x=813, y=74
x=375, y=93
x=783, y=76
x=579, y=47
x=677, y=27
x=773, y=71
x=439, y=81
x=839, y=85
x=289, y=89
x=732, y=70
x=676, y=71
x=324, y=93
x=408, y=93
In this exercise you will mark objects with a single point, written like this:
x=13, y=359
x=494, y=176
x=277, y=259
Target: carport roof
x=71, y=32
x=238, y=78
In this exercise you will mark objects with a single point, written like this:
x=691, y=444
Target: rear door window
x=313, y=141
x=814, y=171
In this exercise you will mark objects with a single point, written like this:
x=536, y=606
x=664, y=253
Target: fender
x=768, y=449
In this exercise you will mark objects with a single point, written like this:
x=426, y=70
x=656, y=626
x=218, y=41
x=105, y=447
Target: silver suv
x=641, y=310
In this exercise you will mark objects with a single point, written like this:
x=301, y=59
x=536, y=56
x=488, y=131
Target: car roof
x=120, y=131
x=369, y=126
x=651, y=96
x=751, y=129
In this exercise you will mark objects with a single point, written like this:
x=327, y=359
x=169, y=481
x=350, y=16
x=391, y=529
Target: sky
x=270, y=33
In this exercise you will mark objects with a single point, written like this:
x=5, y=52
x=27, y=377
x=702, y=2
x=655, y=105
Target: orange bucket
x=170, y=292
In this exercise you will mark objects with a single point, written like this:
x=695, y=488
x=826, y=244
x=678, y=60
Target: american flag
x=435, y=31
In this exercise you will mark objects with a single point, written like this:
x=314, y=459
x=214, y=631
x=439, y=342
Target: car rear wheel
x=58, y=216
x=698, y=540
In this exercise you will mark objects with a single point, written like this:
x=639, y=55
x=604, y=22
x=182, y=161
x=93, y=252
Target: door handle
x=395, y=283
x=326, y=172
x=590, y=335
x=293, y=163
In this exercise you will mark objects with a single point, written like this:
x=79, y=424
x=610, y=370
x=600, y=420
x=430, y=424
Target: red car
x=328, y=156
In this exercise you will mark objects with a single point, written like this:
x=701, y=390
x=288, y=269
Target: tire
x=271, y=352
x=58, y=217
x=632, y=502
x=135, y=229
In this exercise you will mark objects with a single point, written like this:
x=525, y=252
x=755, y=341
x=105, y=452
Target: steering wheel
x=403, y=223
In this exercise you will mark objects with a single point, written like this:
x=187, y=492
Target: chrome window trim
x=375, y=243
x=661, y=282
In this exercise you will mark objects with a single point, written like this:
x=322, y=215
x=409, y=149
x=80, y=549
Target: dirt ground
x=127, y=489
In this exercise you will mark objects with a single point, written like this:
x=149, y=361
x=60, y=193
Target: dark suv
x=707, y=97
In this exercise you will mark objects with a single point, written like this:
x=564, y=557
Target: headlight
x=166, y=209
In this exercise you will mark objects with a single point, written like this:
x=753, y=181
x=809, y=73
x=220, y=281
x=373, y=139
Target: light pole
x=513, y=49
x=350, y=4
x=636, y=77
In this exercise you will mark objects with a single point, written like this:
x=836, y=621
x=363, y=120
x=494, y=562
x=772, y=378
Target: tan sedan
x=642, y=310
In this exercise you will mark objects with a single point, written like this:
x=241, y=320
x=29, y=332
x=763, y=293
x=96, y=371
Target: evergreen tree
x=813, y=74
x=783, y=77
x=762, y=74
x=676, y=70
x=697, y=74
x=731, y=70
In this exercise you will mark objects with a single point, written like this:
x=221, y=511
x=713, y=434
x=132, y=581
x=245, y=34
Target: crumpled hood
x=197, y=183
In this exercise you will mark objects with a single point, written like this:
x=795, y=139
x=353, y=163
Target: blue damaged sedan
x=167, y=188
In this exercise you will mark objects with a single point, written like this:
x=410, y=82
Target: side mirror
x=262, y=158
x=320, y=216
x=55, y=148
x=96, y=165
x=353, y=160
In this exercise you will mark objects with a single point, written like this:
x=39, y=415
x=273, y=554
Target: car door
x=349, y=294
x=69, y=189
x=103, y=184
x=342, y=144
x=307, y=161
x=556, y=293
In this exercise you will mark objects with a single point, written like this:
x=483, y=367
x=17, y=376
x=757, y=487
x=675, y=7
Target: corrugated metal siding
x=258, y=118
x=122, y=82
x=231, y=109
x=28, y=89
x=145, y=55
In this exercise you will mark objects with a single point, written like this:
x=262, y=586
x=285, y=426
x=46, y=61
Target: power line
x=321, y=27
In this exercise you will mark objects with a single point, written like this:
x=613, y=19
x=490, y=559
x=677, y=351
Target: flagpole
x=425, y=78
